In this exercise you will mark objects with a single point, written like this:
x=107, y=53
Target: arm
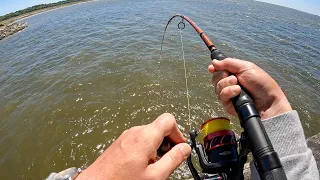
x=287, y=137
x=281, y=123
x=133, y=154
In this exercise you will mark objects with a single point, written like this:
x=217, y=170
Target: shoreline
x=11, y=26
x=31, y=14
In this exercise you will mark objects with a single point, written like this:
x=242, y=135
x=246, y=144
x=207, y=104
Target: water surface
x=78, y=76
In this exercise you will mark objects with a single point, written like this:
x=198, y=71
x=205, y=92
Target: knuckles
x=224, y=94
x=135, y=129
x=165, y=119
x=130, y=137
x=250, y=66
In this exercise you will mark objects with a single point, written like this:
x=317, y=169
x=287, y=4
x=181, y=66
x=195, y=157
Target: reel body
x=219, y=142
x=218, y=155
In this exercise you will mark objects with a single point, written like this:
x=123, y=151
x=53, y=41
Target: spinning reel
x=218, y=156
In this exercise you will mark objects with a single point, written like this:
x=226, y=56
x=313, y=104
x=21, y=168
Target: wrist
x=88, y=173
x=67, y=174
x=80, y=176
x=279, y=105
x=97, y=170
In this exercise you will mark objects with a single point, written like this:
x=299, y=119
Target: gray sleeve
x=70, y=173
x=287, y=137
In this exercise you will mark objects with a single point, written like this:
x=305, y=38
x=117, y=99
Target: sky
x=8, y=6
x=310, y=6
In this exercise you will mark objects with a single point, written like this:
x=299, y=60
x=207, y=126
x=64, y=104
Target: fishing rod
x=219, y=142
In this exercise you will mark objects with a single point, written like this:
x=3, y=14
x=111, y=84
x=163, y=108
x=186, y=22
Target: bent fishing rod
x=256, y=139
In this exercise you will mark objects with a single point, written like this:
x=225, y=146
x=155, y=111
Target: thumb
x=232, y=65
x=170, y=161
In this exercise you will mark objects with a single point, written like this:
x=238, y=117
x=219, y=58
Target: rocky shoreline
x=9, y=29
x=10, y=26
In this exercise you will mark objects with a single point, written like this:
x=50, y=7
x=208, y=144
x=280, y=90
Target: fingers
x=229, y=92
x=225, y=97
x=170, y=161
x=231, y=65
x=230, y=108
x=211, y=69
x=164, y=125
x=225, y=82
x=226, y=87
x=217, y=76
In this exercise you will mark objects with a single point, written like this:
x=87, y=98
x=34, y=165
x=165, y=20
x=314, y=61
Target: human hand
x=266, y=93
x=133, y=154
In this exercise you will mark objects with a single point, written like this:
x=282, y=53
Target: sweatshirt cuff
x=286, y=133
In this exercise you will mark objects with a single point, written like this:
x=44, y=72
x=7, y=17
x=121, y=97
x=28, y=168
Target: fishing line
x=159, y=66
x=185, y=73
x=181, y=26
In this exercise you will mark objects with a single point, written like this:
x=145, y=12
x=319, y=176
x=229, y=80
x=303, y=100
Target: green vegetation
x=35, y=8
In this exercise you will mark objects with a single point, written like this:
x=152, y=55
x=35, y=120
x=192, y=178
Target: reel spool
x=218, y=154
x=219, y=141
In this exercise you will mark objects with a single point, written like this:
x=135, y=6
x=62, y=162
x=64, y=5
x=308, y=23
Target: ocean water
x=78, y=76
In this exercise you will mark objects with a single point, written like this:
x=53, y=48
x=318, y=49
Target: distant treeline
x=36, y=7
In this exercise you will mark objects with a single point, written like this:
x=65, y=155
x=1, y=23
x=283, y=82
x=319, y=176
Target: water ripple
x=79, y=76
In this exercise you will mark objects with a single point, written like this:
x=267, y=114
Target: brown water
x=78, y=76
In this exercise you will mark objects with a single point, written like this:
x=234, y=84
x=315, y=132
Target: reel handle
x=267, y=160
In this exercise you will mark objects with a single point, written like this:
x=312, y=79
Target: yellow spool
x=215, y=124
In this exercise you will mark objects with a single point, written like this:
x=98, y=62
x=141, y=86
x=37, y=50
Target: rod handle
x=267, y=160
x=218, y=55
x=277, y=174
x=244, y=96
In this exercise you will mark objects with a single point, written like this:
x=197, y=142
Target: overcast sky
x=310, y=6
